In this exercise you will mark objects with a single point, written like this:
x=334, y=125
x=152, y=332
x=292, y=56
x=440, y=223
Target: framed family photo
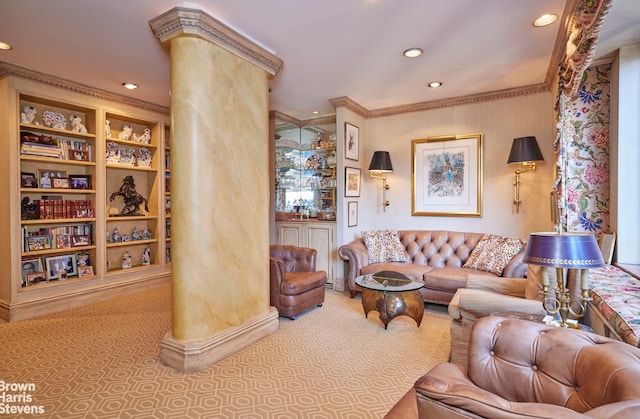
x=351, y=181
x=80, y=181
x=31, y=269
x=61, y=267
x=447, y=176
x=351, y=141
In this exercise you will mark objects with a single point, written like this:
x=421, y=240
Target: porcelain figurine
x=135, y=234
x=77, y=125
x=145, y=138
x=125, y=134
x=126, y=260
x=116, y=235
x=28, y=114
x=146, y=256
x=107, y=128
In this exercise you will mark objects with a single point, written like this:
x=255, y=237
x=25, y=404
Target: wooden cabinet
x=69, y=151
x=314, y=234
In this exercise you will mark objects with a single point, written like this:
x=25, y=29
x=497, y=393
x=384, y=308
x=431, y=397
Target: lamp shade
x=568, y=250
x=381, y=162
x=525, y=149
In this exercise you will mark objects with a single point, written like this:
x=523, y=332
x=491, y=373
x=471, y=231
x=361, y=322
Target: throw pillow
x=383, y=246
x=493, y=253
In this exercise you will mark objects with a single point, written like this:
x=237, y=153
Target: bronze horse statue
x=132, y=199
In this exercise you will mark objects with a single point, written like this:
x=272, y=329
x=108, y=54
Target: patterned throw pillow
x=383, y=246
x=493, y=253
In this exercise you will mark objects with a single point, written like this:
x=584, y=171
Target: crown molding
x=436, y=104
x=12, y=70
x=302, y=123
x=182, y=21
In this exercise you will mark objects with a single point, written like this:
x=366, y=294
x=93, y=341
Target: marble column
x=220, y=193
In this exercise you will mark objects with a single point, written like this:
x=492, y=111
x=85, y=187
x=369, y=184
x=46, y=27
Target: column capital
x=182, y=21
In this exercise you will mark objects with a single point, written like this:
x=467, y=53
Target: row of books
x=63, y=237
x=50, y=209
x=76, y=150
x=42, y=150
x=59, y=149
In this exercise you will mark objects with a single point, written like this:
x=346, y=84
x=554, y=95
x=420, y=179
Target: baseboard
x=196, y=355
x=39, y=307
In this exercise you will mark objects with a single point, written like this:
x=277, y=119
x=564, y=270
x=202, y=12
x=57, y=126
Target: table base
x=391, y=304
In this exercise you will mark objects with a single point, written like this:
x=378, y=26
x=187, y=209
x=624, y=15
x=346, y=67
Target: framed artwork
x=30, y=267
x=28, y=180
x=45, y=177
x=61, y=267
x=80, y=240
x=38, y=243
x=607, y=244
x=352, y=210
x=351, y=141
x=80, y=155
x=351, y=181
x=80, y=181
x=447, y=176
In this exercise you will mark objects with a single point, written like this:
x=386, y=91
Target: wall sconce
x=380, y=164
x=525, y=151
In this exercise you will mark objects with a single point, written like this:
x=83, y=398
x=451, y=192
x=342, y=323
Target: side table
x=391, y=298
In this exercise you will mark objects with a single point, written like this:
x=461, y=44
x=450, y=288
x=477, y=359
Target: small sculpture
x=145, y=138
x=126, y=260
x=132, y=199
x=107, y=128
x=146, y=256
x=28, y=114
x=77, y=125
x=125, y=134
x=116, y=235
x=135, y=235
x=29, y=211
x=146, y=234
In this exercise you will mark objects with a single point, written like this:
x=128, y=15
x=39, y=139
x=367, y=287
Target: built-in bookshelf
x=76, y=231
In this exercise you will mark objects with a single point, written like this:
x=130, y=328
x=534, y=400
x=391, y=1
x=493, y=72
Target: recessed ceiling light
x=130, y=86
x=545, y=20
x=413, y=52
x=435, y=84
x=315, y=112
x=4, y=45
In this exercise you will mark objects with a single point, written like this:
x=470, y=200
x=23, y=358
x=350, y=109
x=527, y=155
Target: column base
x=194, y=356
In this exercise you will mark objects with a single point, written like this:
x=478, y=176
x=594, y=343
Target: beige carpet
x=101, y=361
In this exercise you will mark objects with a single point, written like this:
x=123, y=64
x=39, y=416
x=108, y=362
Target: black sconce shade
x=381, y=161
x=524, y=149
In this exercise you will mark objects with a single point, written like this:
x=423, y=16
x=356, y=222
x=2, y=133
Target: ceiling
x=330, y=48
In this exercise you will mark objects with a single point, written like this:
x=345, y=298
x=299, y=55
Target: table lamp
x=564, y=251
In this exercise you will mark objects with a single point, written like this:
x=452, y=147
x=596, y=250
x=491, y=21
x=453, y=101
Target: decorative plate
x=314, y=162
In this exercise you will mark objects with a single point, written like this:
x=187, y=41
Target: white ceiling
x=330, y=48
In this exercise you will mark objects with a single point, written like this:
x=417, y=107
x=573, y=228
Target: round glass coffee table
x=391, y=294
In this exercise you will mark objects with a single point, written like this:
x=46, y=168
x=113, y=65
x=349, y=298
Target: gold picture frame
x=446, y=179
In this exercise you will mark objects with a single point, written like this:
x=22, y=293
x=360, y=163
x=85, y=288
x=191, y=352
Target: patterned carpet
x=101, y=361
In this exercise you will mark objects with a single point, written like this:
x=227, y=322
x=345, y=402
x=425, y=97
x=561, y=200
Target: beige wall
x=500, y=121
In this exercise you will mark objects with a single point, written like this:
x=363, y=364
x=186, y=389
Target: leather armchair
x=295, y=285
x=519, y=369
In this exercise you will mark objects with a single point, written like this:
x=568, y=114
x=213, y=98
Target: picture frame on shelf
x=351, y=141
x=28, y=180
x=78, y=155
x=352, y=211
x=85, y=271
x=63, y=241
x=35, y=243
x=36, y=278
x=61, y=266
x=80, y=240
x=60, y=183
x=80, y=181
x=447, y=176
x=45, y=177
x=30, y=267
x=351, y=182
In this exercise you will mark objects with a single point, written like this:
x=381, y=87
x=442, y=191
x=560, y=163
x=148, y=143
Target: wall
x=500, y=121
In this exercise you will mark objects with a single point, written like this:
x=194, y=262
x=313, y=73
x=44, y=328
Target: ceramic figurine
x=126, y=260
x=145, y=138
x=146, y=234
x=77, y=125
x=107, y=128
x=116, y=235
x=28, y=114
x=146, y=256
x=125, y=134
x=135, y=235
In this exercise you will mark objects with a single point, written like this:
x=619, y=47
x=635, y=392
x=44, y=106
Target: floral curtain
x=582, y=152
x=582, y=116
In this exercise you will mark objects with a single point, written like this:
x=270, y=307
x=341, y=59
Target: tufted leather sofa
x=434, y=257
x=523, y=369
x=295, y=285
